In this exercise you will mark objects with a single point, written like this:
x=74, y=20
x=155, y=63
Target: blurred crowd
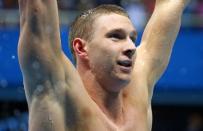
x=15, y=123
x=13, y=116
x=141, y=9
x=195, y=6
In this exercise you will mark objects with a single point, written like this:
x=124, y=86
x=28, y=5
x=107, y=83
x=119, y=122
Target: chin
x=125, y=78
x=122, y=79
x=122, y=75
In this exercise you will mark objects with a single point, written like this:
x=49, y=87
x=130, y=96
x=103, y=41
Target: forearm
x=46, y=8
x=39, y=42
x=163, y=27
x=39, y=24
x=160, y=35
x=164, y=23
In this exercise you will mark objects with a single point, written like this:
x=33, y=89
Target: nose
x=129, y=52
x=129, y=49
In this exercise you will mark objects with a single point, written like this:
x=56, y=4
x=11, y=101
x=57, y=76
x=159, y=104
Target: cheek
x=102, y=60
x=103, y=56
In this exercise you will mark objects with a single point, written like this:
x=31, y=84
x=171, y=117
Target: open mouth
x=125, y=63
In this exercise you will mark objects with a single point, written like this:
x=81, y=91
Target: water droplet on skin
x=50, y=119
x=48, y=29
x=142, y=63
x=38, y=76
x=35, y=65
x=3, y=83
x=60, y=84
x=39, y=89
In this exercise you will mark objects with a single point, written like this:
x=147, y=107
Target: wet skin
x=111, y=87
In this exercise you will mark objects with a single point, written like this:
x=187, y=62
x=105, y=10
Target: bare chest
x=135, y=120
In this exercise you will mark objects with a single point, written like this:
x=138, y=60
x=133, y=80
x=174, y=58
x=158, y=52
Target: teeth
x=125, y=63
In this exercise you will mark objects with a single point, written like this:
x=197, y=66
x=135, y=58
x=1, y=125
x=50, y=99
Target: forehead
x=108, y=22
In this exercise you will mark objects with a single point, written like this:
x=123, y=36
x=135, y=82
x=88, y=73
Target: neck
x=111, y=103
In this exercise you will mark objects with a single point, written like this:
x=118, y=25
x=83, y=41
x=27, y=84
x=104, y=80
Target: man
x=112, y=87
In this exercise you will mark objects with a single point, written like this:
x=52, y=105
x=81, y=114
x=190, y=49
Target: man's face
x=111, y=51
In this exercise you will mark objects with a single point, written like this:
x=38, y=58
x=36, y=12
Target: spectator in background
x=1, y=3
x=195, y=122
x=99, y=2
x=76, y=4
x=10, y=4
x=192, y=7
x=149, y=5
x=137, y=13
x=199, y=7
x=67, y=4
x=85, y=4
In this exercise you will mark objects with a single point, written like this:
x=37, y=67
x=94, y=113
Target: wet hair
x=82, y=26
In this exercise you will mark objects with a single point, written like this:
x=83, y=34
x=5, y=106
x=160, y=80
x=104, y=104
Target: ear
x=79, y=46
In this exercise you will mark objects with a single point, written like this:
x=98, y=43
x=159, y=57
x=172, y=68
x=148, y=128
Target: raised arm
x=158, y=38
x=39, y=18
x=39, y=47
x=40, y=58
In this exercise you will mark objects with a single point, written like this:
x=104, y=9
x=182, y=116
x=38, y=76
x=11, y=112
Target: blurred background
x=178, y=96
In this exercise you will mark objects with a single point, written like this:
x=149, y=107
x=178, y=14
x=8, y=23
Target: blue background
x=181, y=83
